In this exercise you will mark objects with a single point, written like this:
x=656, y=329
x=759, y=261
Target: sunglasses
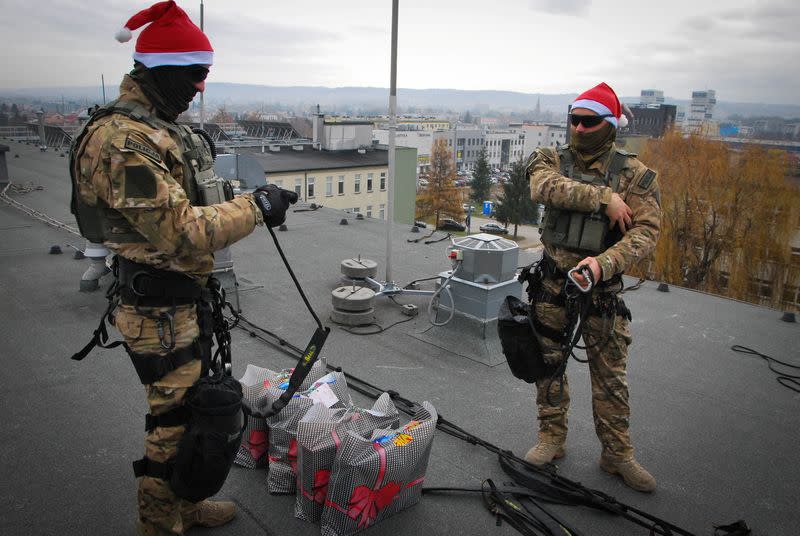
x=587, y=121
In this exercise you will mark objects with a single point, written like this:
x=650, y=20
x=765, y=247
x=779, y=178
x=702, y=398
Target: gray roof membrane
x=714, y=427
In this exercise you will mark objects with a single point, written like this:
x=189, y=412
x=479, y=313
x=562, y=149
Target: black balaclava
x=590, y=147
x=170, y=88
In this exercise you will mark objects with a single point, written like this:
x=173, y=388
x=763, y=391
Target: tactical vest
x=99, y=223
x=584, y=232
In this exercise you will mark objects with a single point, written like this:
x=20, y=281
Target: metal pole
x=202, y=103
x=392, y=131
x=103, y=83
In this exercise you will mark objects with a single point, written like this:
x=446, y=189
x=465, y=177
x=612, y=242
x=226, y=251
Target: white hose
x=443, y=287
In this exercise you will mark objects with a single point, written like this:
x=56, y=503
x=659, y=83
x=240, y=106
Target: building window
x=369, y=182
x=383, y=181
x=298, y=187
x=328, y=186
x=369, y=211
x=357, y=184
x=311, y=187
x=383, y=211
x=356, y=210
x=341, y=185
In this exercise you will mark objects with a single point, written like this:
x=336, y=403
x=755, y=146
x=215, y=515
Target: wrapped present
x=260, y=388
x=330, y=391
x=377, y=477
x=319, y=435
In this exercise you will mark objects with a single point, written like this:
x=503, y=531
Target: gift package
x=260, y=388
x=377, y=476
x=329, y=391
x=319, y=436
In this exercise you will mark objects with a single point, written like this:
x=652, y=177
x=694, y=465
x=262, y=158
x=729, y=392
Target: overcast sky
x=746, y=50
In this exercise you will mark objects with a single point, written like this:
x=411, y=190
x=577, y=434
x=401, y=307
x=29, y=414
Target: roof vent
x=297, y=147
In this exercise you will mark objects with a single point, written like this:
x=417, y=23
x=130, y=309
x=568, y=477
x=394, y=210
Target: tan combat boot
x=634, y=475
x=207, y=513
x=544, y=452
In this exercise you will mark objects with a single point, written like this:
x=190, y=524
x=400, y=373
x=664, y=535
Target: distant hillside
x=248, y=96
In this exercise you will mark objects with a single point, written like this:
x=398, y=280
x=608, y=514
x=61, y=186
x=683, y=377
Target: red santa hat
x=170, y=39
x=602, y=100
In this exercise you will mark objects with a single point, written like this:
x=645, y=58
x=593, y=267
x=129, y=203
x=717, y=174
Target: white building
x=701, y=110
x=504, y=147
x=652, y=96
x=543, y=135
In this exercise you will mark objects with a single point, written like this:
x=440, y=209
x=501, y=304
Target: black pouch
x=212, y=438
x=520, y=344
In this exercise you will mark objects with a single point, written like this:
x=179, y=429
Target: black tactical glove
x=274, y=202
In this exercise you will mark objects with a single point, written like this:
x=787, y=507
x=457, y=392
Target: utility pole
x=103, y=83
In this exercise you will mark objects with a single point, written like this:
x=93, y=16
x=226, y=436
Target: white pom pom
x=622, y=121
x=124, y=35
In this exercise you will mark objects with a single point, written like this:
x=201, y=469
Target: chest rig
x=98, y=222
x=584, y=232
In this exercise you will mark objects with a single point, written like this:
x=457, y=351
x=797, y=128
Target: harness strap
x=144, y=285
x=174, y=417
x=152, y=367
x=153, y=469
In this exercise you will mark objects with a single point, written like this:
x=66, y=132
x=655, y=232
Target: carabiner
x=160, y=328
x=586, y=272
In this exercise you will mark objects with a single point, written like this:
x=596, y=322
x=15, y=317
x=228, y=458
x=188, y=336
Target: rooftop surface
x=714, y=427
x=310, y=159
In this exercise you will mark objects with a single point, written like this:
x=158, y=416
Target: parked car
x=420, y=224
x=451, y=225
x=493, y=228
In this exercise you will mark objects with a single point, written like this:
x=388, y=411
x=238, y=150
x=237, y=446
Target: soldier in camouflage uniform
x=592, y=178
x=132, y=162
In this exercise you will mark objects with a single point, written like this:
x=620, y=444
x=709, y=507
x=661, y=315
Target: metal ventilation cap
x=485, y=242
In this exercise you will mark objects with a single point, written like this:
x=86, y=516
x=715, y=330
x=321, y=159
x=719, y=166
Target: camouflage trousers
x=607, y=343
x=159, y=508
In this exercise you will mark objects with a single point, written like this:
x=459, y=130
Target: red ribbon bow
x=291, y=456
x=320, y=486
x=257, y=444
x=366, y=502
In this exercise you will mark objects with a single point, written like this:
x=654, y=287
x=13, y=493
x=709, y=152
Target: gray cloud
x=561, y=7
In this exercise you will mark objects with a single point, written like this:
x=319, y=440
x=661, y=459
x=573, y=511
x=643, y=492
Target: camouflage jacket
x=139, y=171
x=552, y=189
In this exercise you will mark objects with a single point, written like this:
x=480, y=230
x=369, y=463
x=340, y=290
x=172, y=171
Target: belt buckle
x=132, y=284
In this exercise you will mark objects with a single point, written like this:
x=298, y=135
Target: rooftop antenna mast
x=392, y=131
x=202, y=103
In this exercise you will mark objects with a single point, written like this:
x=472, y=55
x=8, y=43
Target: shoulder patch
x=647, y=179
x=141, y=148
x=140, y=183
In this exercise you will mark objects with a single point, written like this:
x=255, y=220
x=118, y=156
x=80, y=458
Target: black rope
x=790, y=381
x=296, y=282
x=380, y=329
x=421, y=238
x=574, y=491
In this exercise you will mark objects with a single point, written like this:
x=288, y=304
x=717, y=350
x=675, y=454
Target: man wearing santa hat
x=603, y=215
x=136, y=188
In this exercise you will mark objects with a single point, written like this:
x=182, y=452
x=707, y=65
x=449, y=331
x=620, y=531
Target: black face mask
x=593, y=145
x=171, y=88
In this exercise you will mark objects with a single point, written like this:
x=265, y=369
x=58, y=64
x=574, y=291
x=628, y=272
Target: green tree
x=468, y=117
x=481, y=183
x=514, y=205
x=441, y=197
